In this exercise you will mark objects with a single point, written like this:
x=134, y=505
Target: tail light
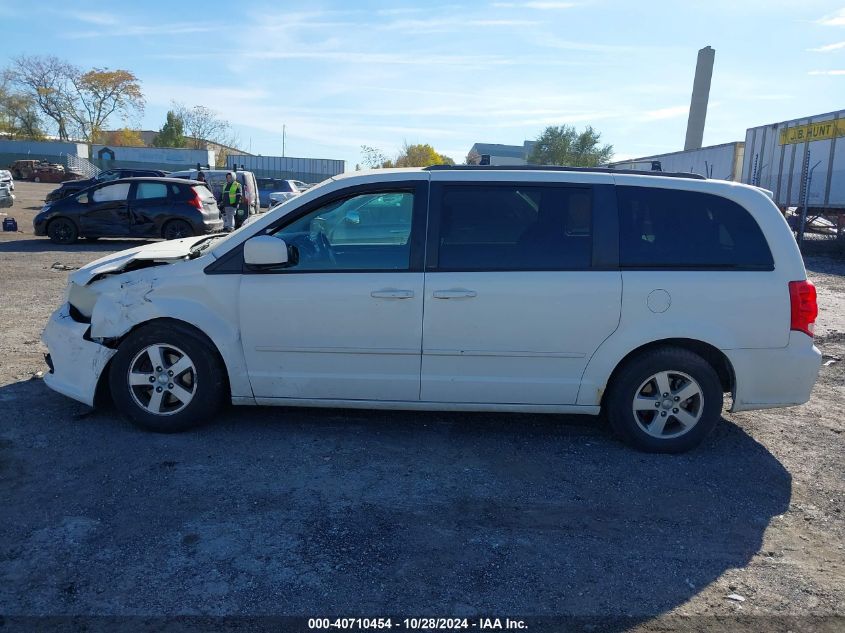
x=804, y=307
x=196, y=201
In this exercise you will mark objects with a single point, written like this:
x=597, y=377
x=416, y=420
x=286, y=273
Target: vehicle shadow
x=310, y=512
x=43, y=244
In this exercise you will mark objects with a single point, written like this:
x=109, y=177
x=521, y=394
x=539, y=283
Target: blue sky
x=343, y=74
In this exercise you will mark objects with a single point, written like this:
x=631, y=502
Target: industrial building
x=498, y=154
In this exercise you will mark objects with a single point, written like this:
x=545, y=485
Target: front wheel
x=165, y=379
x=665, y=401
x=62, y=231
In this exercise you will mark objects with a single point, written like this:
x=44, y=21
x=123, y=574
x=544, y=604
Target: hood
x=160, y=252
x=78, y=184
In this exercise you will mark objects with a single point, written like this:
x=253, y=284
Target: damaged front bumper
x=75, y=362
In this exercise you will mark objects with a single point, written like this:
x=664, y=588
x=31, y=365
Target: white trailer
x=723, y=162
x=776, y=153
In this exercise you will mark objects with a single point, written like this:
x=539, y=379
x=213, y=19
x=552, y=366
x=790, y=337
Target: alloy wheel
x=162, y=379
x=668, y=404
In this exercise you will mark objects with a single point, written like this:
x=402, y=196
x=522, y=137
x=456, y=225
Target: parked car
x=6, y=179
x=6, y=197
x=24, y=169
x=285, y=190
x=544, y=290
x=53, y=173
x=216, y=178
x=73, y=186
x=267, y=186
x=132, y=207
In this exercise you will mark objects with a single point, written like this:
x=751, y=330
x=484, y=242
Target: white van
x=541, y=290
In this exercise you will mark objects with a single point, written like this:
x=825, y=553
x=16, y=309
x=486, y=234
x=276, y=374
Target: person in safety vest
x=230, y=200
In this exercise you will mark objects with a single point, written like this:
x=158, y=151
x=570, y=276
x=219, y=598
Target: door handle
x=458, y=293
x=392, y=294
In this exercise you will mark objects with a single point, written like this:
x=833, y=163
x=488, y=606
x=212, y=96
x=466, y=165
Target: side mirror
x=265, y=250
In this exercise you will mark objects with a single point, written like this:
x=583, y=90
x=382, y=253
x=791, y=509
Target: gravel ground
x=316, y=513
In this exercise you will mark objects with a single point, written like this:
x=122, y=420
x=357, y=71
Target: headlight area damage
x=76, y=362
x=102, y=304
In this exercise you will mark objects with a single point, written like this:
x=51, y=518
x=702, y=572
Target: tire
x=62, y=231
x=176, y=229
x=169, y=403
x=671, y=426
x=36, y=179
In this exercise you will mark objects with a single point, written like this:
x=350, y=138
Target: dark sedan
x=132, y=207
x=72, y=186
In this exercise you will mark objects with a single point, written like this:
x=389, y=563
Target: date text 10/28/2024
x=481, y=624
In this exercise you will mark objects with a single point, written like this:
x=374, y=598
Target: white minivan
x=547, y=290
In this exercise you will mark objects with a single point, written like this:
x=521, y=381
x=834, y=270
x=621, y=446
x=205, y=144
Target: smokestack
x=700, y=96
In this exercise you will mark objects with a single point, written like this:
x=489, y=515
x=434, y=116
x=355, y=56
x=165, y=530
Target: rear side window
x=150, y=190
x=665, y=228
x=515, y=227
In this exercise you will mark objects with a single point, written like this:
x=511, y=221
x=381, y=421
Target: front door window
x=370, y=231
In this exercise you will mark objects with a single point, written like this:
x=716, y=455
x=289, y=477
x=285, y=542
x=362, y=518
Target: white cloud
x=827, y=48
x=673, y=112
x=834, y=19
x=541, y=6
x=552, y=41
x=827, y=72
x=140, y=29
x=449, y=23
x=103, y=19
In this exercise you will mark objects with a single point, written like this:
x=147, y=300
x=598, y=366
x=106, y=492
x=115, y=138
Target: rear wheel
x=665, y=401
x=62, y=231
x=36, y=179
x=165, y=379
x=177, y=229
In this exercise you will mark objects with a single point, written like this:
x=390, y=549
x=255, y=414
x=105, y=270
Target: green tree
x=420, y=155
x=564, y=145
x=172, y=133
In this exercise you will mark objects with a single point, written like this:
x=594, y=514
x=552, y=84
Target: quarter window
x=666, y=228
x=370, y=231
x=515, y=228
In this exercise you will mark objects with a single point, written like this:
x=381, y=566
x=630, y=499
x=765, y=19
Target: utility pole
x=283, y=140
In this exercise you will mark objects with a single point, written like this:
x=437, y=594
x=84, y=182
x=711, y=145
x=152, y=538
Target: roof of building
x=497, y=149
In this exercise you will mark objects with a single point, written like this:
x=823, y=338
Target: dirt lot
x=318, y=513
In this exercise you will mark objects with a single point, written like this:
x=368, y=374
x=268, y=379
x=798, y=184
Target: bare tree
x=47, y=81
x=203, y=126
x=372, y=157
x=19, y=116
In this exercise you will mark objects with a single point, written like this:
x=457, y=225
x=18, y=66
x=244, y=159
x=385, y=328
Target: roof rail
x=586, y=170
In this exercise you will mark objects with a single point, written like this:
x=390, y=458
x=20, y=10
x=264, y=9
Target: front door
x=514, y=306
x=344, y=322
x=106, y=212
